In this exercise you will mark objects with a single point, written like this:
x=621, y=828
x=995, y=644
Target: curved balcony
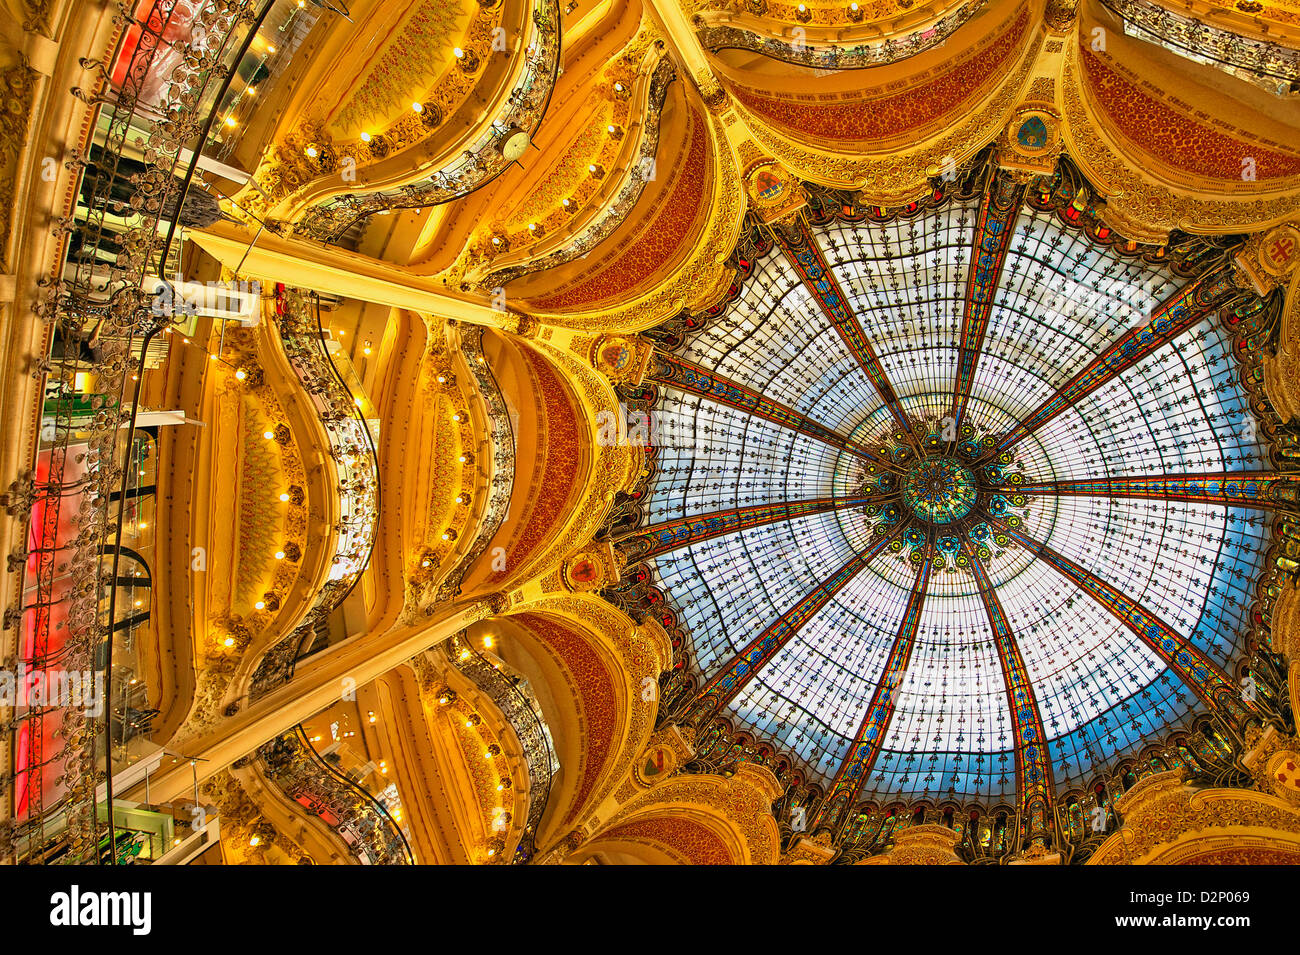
x=352, y=451
x=624, y=191
x=496, y=147
x=1267, y=64
x=834, y=40
x=363, y=822
x=514, y=698
x=501, y=482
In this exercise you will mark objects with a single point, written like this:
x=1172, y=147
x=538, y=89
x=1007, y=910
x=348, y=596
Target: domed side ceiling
x=1054, y=553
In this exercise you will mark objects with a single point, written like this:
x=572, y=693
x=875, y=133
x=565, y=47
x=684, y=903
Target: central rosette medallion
x=939, y=490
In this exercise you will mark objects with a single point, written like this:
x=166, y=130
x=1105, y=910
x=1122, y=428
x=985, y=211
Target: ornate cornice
x=1162, y=808
x=899, y=178
x=702, y=278
x=1137, y=206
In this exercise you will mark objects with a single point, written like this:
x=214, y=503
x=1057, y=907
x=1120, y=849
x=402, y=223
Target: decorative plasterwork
x=1136, y=205
x=612, y=467
x=19, y=85
x=1269, y=257
x=920, y=845
x=1162, y=808
x=664, y=754
x=626, y=655
x=1178, y=138
x=899, y=178
x=741, y=804
x=881, y=119
x=833, y=43
x=702, y=278
x=575, y=209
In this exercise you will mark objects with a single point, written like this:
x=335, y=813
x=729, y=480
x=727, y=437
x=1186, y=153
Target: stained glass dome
x=960, y=501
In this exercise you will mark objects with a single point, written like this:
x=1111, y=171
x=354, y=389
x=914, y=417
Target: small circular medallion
x=939, y=490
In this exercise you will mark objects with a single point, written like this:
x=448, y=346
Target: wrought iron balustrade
x=479, y=163
x=104, y=322
x=292, y=764
x=511, y=694
x=356, y=466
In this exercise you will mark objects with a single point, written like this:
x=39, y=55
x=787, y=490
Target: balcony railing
x=292, y=764
x=481, y=162
x=510, y=692
x=105, y=323
x=503, y=459
x=1268, y=65
x=855, y=57
x=356, y=467
x=614, y=214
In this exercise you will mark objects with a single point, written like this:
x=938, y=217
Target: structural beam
x=662, y=538
x=1033, y=764
x=994, y=231
x=1256, y=490
x=675, y=372
x=733, y=677
x=323, y=268
x=1193, y=667
x=1173, y=317
x=317, y=682
x=805, y=255
x=870, y=739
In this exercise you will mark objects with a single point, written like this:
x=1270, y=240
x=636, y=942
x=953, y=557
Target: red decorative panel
x=684, y=837
x=597, y=700
x=1245, y=855
x=554, y=476
x=883, y=118
x=664, y=235
x=1175, y=138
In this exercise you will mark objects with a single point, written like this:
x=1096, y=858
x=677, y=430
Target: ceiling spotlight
x=284, y=498
x=365, y=137
x=269, y=435
x=240, y=374
x=279, y=555
x=231, y=122
x=260, y=605
x=311, y=152
x=418, y=107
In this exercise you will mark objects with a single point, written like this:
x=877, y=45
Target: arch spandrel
x=698, y=819
x=565, y=476
x=1172, y=143
x=706, y=206
x=590, y=663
